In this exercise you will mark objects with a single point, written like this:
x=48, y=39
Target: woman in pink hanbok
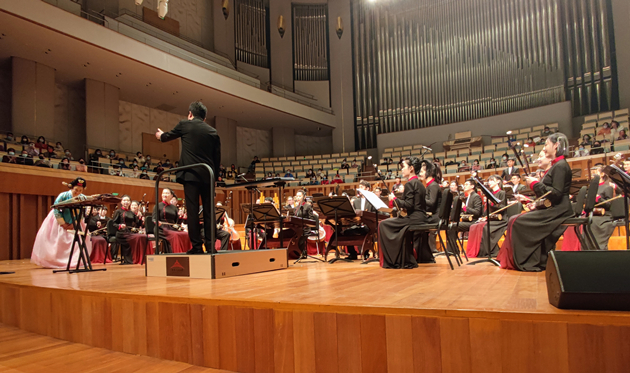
x=54, y=239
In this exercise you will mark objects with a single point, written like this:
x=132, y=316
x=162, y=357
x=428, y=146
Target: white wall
x=261, y=72
x=134, y=120
x=69, y=125
x=310, y=145
x=251, y=142
x=33, y=98
x=320, y=90
x=101, y=115
x=557, y=113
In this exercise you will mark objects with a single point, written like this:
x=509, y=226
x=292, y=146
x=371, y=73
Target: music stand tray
x=489, y=198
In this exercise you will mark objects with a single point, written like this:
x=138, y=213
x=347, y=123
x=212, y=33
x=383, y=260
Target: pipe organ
x=310, y=42
x=251, y=32
x=426, y=63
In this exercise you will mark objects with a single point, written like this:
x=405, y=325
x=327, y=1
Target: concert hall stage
x=318, y=317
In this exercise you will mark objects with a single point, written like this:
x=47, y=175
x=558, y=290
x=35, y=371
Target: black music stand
x=78, y=212
x=388, y=210
x=622, y=180
x=489, y=197
x=340, y=207
x=267, y=213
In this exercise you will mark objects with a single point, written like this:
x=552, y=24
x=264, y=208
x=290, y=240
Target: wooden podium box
x=224, y=264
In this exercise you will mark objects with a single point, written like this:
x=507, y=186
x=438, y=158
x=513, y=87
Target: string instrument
x=175, y=226
x=401, y=211
x=540, y=203
x=321, y=237
x=229, y=227
x=96, y=232
x=495, y=216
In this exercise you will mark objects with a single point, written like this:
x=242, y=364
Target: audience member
x=81, y=167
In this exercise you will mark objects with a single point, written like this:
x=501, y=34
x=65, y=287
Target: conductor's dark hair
x=198, y=110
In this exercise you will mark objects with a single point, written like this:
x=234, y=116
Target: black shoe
x=194, y=251
x=352, y=257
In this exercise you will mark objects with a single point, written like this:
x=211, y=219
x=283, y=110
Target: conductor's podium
x=224, y=264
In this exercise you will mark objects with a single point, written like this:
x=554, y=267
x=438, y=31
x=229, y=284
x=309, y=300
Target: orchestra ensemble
x=529, y=216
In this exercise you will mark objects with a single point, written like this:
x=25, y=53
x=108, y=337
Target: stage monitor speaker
x=589, y=280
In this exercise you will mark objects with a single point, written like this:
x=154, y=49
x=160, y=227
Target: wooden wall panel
x=268, y=340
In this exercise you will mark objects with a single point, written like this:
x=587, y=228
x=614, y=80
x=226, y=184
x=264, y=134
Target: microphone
x=426, y=147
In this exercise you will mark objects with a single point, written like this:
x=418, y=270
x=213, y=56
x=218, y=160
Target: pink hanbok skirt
x=53, y=245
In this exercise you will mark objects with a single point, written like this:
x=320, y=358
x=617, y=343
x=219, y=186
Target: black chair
x=586, y=238
x=149, y=229
x=618, y=212
x=112, y=229
x=444, y=213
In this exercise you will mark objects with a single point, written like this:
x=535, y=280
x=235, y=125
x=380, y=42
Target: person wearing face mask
x=41, y=144
x=10, y=138
x=10, y=157
x=50, y=152
x=135, y=172
x=581, y=151
x=504, y=160
x=32, y=151
x=59, y=150
x=65, y=164
x=68, y=154
x=81, y=167
x=42, y=161
x=492, y=164
x=112, y=155
x=158, y=167
x=25, y=159
x=133, y=164
x=25, y=140
x=121, y=163
x=55, y=237
x=140, y=158
x=144, y=175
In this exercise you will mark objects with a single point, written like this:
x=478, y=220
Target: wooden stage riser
x=252, y=339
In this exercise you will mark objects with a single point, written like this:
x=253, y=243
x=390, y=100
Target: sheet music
x=374, y=200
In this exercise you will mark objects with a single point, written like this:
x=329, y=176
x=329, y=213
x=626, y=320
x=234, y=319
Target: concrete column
x=621, y=21
x=101, y=115
x=283, y=141
x=224, y=31
x=281, y=49
x=227, y=131
x=341, y=86
x=33, y=98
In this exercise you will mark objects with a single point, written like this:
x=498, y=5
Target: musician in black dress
x=535, y=233
x=431, y=177
x=603, y=225
x=303, y=209
x=392, y=231
x=125, y=221
x=472, y=209
x=477, y=239
x=360, y=204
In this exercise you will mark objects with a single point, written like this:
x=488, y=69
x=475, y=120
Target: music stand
x=78, y=212
x=489, y=198
x=381, y=206
x=622, y=180
x=267, y=213
x=340, y=207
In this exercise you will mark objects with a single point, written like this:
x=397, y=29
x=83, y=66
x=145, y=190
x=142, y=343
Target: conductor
x=200, y=144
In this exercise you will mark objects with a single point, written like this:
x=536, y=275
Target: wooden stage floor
x=318, y=317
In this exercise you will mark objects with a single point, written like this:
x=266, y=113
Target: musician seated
x=165, y=215
x=510, y=170
x=132, y=244
x=517, y=187
x=360, y=204
x=471, y=211
x=532, y=235
x=135, y=208
x=55, y=237
x=97, y=225
x=478, y=238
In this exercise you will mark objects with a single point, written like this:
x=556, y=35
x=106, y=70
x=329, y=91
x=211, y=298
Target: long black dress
x=603, y=226
x=474, y=207
x=433, y=199
x=166, y=214
x=534, y=234
x=122, y=216
x=391, y=232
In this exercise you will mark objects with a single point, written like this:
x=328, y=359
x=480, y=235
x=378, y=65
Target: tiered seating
x=593, y=123
x=299, y=165
x=483, y=154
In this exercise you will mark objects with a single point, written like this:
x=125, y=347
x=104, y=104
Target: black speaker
x=589, y=280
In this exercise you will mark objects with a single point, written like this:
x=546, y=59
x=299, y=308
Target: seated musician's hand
x=482, y=218
x=98, y=224
x=122, y=226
